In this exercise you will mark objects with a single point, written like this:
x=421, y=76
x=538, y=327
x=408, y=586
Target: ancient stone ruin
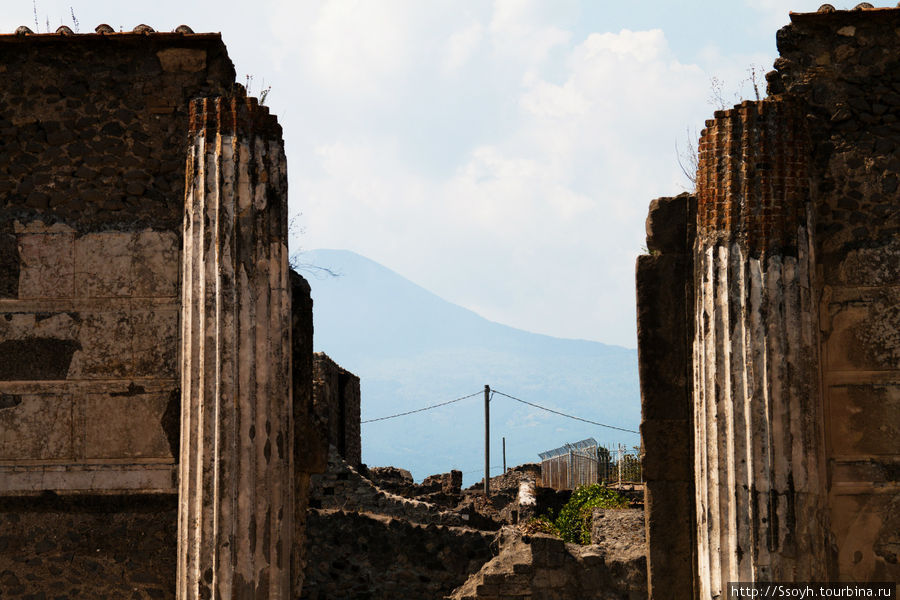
x=168, y=433
x=771, y=377
x=157, y=353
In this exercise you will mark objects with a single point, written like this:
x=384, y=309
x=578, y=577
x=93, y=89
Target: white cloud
x=543, y=218
x=462, y=45
x=520, y=29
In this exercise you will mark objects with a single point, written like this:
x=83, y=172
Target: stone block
x=35, y=426
x=663, y=336
x=156, y=264
x=103, y=265
x=486, y=589
x=865, y=333
x=669, y=508
x=863, y=418
x=866, y=528
x=668, y=222
x=47, y=265
x=865, y=471
x=548, y=551
x=105, y=339
x=155, y=342
x=125, y=424
x=191, y=60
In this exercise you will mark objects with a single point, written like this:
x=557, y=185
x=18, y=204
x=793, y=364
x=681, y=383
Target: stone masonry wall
x=87, y=548
x=364, y=556
x=90, y=546
x=341, y=487
x=336, y=405
x=93, y=146
x=310, y=447
x=846, y=66
x=92, y=154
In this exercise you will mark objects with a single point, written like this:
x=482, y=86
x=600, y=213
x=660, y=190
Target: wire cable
x=562, y=413
x=409, y=412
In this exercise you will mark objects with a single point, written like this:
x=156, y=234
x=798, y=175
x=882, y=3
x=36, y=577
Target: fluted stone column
x=235, y=522
x=758, y=465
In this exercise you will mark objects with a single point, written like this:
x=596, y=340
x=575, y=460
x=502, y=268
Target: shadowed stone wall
x=336, y=403
x=88, y=547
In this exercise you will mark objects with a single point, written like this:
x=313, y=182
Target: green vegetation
x=573, y=524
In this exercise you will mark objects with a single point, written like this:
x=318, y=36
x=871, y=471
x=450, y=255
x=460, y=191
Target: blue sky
x=501, y=153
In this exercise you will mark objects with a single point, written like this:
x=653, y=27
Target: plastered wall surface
x=92, y=153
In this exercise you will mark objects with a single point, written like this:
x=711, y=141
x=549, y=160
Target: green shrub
x=573, y=524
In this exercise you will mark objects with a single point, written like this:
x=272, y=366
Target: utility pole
x=504, y=456
x=487, y=440
x=621, y=456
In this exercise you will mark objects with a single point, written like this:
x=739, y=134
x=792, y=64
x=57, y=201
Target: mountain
x=412, y=349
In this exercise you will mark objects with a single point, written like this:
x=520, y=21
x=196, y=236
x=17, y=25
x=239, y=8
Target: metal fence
x=620, y=464
x=586, y=462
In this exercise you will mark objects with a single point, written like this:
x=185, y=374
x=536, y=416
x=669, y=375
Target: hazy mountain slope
x=413, y=349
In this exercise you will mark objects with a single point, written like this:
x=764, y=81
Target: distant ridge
x=412, y=349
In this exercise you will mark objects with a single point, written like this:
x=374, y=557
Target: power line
x=563, y=414
x=481, y=470
x=403, y=414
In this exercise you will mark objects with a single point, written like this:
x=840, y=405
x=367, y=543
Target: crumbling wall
x=310, y=447
x=336, y=405
x=341, y=487
x=364, y=555
x=92, y=153
x=542, y=566
x=444, y=489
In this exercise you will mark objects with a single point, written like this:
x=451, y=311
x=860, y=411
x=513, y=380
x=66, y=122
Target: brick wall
x=753, y=176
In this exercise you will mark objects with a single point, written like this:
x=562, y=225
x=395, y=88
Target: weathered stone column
x=235, y=523
x=759, y=487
